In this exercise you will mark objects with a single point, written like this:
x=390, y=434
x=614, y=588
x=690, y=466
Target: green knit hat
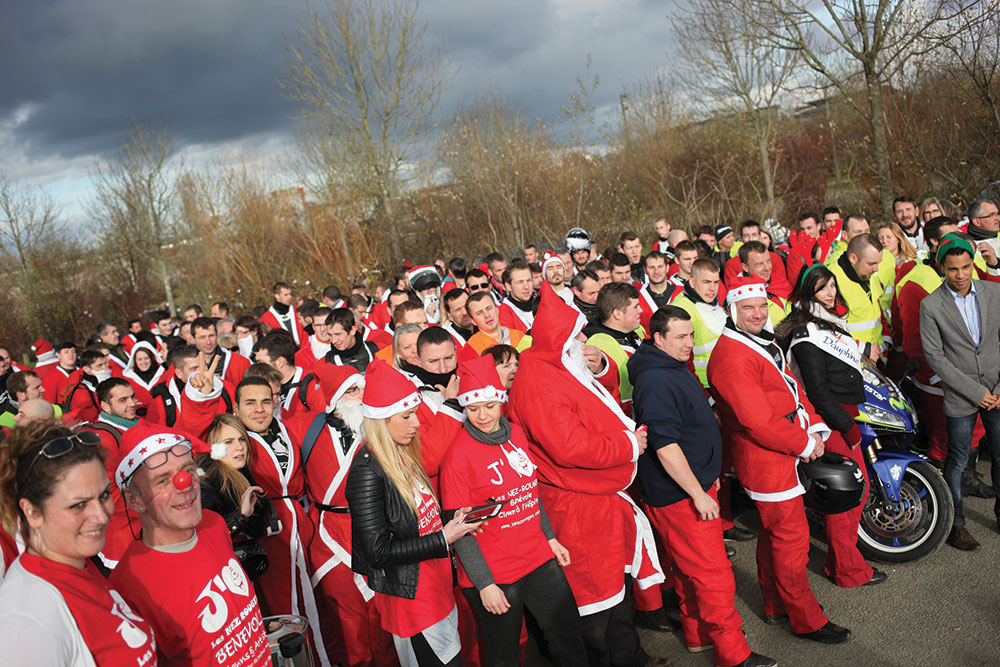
x=953, y=240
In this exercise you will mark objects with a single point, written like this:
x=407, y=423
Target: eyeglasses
x=989, y=216
x=160, y=458
x=63, y=445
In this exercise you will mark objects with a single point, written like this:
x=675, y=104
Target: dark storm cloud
x=209, y=67
x=206, y=67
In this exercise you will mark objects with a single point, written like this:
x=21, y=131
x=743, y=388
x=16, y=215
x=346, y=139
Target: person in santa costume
x=286, y=586
x=679, y=477
x=515, y=562
x=182, y=574
x=586, y=450
x=282, y=315
x=55, y=607
x=300, y=390
x=231, y=366
x=79, y=400
x=829, y=362
x=554, y=273
x=144, y=371
x=351, y=623
x=518, y=310
x=400, y=537
x=319, y=343
x=62, y=374
x=771, y=426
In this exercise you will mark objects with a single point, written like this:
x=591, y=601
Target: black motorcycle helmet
x=833, y=483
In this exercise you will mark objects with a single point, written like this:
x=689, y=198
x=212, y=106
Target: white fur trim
x=384, y=412
x=219, y=451
x=596, y=607
x=197, y=396
x=347, y=384
x=777, y=497
x=753, y=290
x=483, y=395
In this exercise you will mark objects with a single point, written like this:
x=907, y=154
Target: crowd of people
x=433, y=469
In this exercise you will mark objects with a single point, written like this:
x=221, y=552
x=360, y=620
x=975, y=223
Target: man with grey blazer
x=960, y=331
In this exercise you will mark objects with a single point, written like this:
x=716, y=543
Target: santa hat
x=387, y=392
x=335, y=380
x=479, y=382
x=549, y=258
x=424, y=277
x=44, y=352
x=745, y=287
x=139, y=443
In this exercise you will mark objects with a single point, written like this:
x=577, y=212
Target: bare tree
x=855, y=44
x=370, y=89
x=29, y=216
x=976, y=53
x=735, y=72
x=132, y=204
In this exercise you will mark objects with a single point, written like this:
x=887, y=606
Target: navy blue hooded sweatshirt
x=670, y=401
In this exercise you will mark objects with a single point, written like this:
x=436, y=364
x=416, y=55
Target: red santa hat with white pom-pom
x=478, y=382
x=387, y=392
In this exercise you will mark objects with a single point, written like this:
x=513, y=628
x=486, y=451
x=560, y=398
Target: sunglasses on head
x=63, y=445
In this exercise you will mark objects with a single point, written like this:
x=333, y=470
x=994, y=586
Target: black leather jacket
x=386, y=545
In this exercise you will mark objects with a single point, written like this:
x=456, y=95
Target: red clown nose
x=182, y=481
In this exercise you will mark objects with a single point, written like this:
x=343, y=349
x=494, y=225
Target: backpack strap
x=162, y=392
x=107, y=428
x=302, y=389
x=312, y=435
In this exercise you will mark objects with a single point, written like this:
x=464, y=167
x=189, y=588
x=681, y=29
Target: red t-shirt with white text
x=472, y=473
x=200, y=602
x=114, y=634
x=434, y=599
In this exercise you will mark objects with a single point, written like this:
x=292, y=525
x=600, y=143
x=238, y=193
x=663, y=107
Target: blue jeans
x=959, y=445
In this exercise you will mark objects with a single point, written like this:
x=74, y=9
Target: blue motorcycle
x=909, y=510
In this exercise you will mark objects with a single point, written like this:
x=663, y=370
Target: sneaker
x=758, y=660
x=830, y=633
x=700, y=649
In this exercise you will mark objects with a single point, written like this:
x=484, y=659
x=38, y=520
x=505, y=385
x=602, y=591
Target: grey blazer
x=967, y=372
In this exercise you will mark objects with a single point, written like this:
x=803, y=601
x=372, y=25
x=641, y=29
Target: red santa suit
x=9, y=550
x=769, y=423
x=585, y=450
x=56, y=380
x=289, y=322
x=304, y=396
x=778, y=284
x=231, y=367
x=311, y=353
x=286, y=586
x=351, y=624
x=80, y=400
x=513, y=317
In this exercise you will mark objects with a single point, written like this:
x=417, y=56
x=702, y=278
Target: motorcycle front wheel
x=912, y=528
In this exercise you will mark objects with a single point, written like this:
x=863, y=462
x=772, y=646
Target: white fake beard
x=245, y=345
x=350, y=412
x=576, y=362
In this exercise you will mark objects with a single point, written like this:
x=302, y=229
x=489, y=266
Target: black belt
x=332, y=508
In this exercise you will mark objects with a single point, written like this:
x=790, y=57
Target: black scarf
x=980, y=234
x=695, y=297
x=146, y=375
x=852, y=274
x=589, y=310
x=347, y=435
x=349, y=353
x=529, y=306
x=462, y=331
x=428, y=378
x=625, y=339
x=281, y=308
x=497, y=437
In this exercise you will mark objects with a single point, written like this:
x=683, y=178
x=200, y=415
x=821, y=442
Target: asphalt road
x=943, y=610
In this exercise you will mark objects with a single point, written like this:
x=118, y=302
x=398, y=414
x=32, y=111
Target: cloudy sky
x=74, y=72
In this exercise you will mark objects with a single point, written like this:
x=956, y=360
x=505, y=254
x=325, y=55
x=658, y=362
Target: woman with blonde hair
x=55, y=607
x=400, y=536
x=891, y=236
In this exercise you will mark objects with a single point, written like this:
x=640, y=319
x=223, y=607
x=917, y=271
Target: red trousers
x=352, y=628
x=703, y=580
x=651, y=599
x=844, y=563
x=782, y=556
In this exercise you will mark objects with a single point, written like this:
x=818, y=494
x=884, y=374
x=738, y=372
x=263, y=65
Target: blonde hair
x=232, y=482
x=402, y=464
x=402, y=330
x=906, y=249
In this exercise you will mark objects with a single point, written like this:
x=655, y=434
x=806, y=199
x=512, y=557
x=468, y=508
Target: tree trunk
x=394, y=240
x=165, y=276
x=765, y=165
x=880, y=141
